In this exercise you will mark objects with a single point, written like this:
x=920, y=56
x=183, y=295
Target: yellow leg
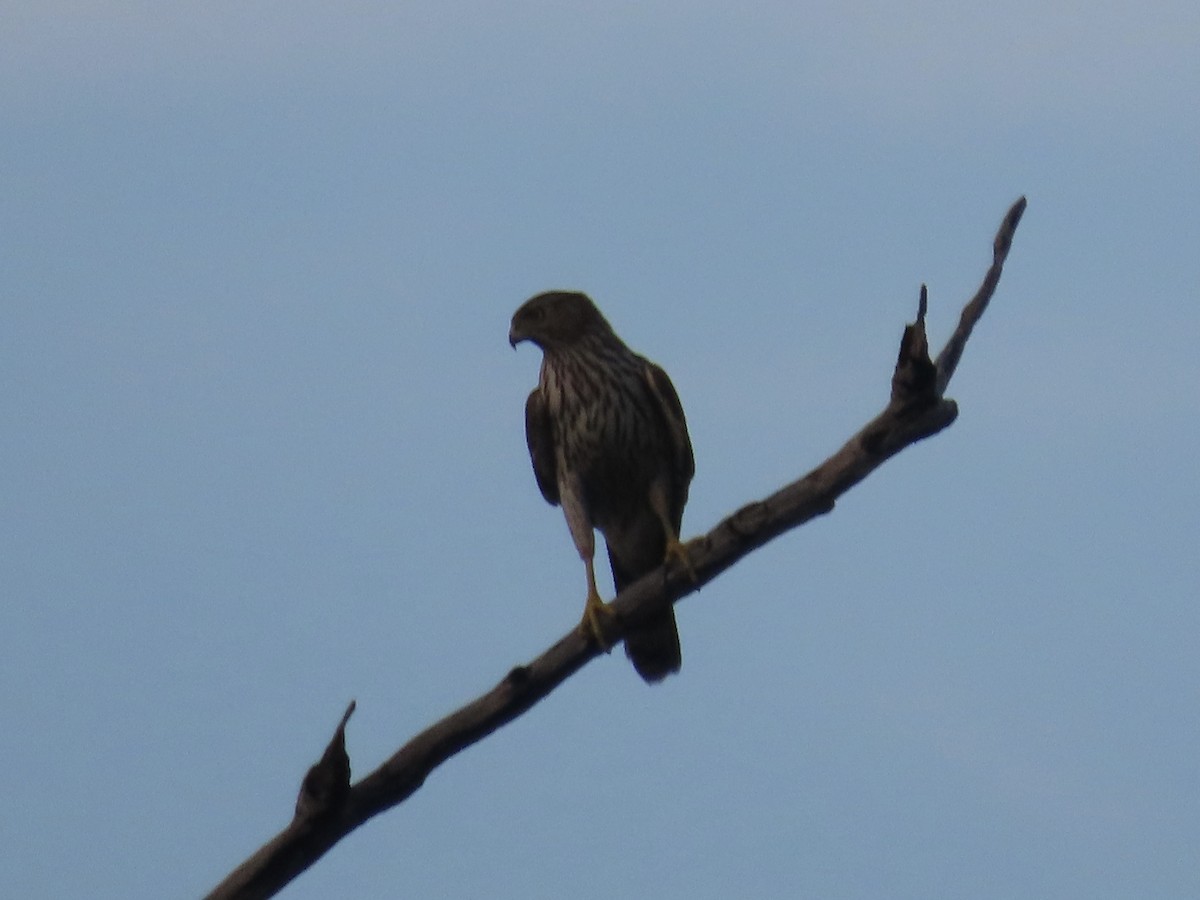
x=676, y=550
x=595, y=611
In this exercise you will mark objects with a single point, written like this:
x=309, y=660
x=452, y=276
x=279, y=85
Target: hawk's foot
x=595, y=614
x=677, y=552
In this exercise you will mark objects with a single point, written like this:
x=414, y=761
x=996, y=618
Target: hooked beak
x=515, y=336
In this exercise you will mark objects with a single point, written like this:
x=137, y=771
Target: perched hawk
x=609, y=443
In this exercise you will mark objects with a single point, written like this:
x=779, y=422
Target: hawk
x=609, y=443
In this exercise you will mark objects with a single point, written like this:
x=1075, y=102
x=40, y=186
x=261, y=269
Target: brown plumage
x=609, y=443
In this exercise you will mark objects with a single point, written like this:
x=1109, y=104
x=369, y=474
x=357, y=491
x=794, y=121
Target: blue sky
x=262, y=442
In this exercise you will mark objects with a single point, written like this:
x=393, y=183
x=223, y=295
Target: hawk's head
x=556, y=319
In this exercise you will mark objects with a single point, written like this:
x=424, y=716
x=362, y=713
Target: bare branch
x=327, y=784
x=329, y=808
x=947, y=360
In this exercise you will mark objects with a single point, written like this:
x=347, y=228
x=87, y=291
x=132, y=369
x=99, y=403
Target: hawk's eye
x=536, y=314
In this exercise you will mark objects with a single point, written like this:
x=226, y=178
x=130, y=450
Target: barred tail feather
x=654, y=648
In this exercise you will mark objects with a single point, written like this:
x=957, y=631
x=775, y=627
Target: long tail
x=653, y=648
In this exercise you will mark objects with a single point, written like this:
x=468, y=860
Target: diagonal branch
x=329, y=808
x=947, y=360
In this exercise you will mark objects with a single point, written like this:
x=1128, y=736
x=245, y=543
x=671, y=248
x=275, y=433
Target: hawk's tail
x=654, y=647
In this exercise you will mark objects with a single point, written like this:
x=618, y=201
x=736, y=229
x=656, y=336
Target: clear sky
x=262, y=447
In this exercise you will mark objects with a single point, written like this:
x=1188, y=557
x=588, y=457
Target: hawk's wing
x=539, y=435
x=682, y=463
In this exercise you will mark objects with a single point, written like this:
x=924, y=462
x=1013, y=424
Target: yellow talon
x=595, y=613
x=677, y=552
